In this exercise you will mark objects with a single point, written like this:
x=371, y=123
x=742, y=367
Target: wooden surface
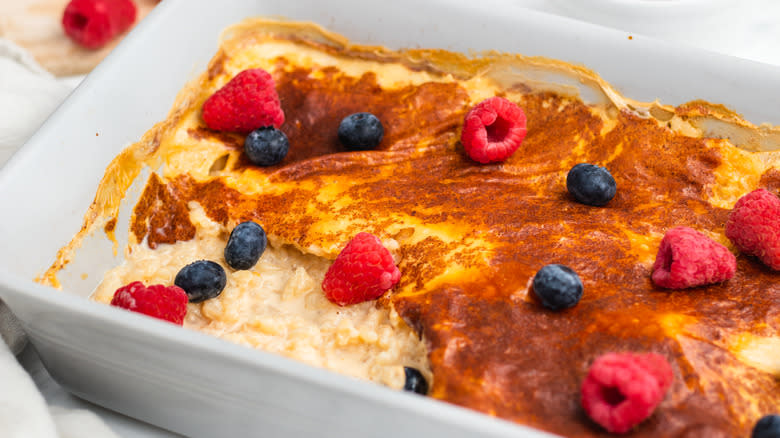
x=37, y=26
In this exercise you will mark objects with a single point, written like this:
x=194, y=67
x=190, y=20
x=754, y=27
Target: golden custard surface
x=472, y=236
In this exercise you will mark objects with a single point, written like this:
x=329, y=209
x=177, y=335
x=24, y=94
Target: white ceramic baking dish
x=204, y=387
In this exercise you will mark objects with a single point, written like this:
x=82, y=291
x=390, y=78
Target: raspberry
x=163, y=302
x=688, y=258
x=754, y=226
x=93, y=23
x=623, y=389
x=493, y=130
x=249, y=101
x=363, y=271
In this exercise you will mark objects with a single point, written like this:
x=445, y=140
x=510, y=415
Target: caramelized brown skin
x=492, y=346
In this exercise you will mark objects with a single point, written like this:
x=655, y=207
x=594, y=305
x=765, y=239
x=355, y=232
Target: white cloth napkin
x=28, y=94
x=24, y=413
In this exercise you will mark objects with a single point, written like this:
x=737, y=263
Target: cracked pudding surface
x=279, y=306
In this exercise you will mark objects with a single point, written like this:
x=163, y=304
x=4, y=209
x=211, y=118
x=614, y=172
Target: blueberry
x=361, y=132
x=245, y=246
x=558, y=287
x=591, y=184
x=415, y=382
x=767, y=427
x=201, y=280
x=266, y=146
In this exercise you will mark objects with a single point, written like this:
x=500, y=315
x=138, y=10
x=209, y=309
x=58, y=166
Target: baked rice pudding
x=468, y=238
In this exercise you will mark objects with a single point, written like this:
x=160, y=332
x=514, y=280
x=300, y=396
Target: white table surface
x=748, y=29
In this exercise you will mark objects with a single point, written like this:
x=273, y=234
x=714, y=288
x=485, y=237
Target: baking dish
x=199, y=386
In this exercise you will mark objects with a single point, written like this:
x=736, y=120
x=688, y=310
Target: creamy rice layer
x=279, y=306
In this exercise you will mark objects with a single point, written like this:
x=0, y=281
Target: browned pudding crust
x=472, y=237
